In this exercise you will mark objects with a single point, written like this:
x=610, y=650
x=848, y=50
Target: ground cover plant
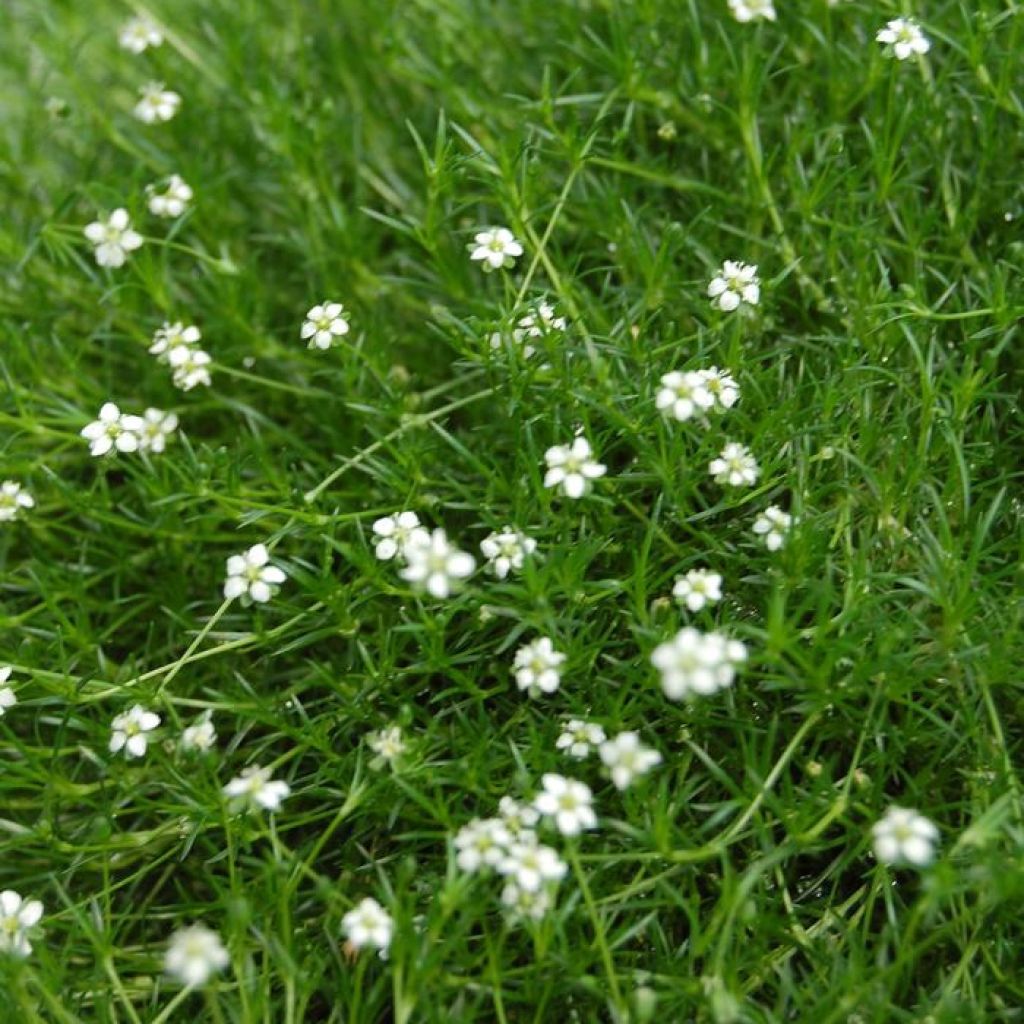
x=511, y=511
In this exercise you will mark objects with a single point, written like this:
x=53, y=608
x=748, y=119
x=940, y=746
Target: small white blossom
x=518, y=818
x=17, y=916
x=531, y=865
x=494, y=249
x=735, y=467
x=540, y=321
x=173, y=336
x=723, y=387
x=572, y=467
x=139, y=34
x=156, y=103
x=7, y=697
x=396, y=533
x=751, y=10
x=128, y=731
x=626, y=758
x=157, y=427
x=200, y=736
x=683, y=395
x=905, y=837
x=388, y=743
x=524, y=904
x=194, y=955
x=113, y=238
x=436, y=565
x=772, y=526
x=174, y=199
x=324, y=324
x=733, y=284
x=112, y=431
x=537, y=667
x=250, y=575
x=506, y=550
x=578, y=738
x=13, y=498
x=481, y=844
x=191, y=367
x=568, y=802
x=699, y=587
x=254, y=789
x=905, y=37
x=697, y=663
x=369, y=924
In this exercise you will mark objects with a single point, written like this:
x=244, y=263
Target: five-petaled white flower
x=735, y=466
x=733, y=284
x=751, y=10
x=518, y=818
x=435, y=564
x=112, y=431
x=254, y=790
x=626, y=758
x=506, y=550
x=522, y=903
x=7, y=698
x=904, y=837
x=396, y=533
x=157, y=427
x=572, y=467
x=481, y=844
x=13, y=498
x=128, y=731
x=369, y=924
x=723, y=387
x=682, y=395
x=191, y=367
x=194, y=955
x=537, y=667
x=579, y=737
x=698, y=588
x=905, y=37
x=173, y=200
x=387, y=743
x=113, y=238
x=324, y=324
x=173, y=336
x=697, y=663
x=17, y=916
x=200, y=736
x=139, y=34
x=530, y=865
x=567, y=802
x=772, y=526
x=495, y=248
x=156, y=103
x=250, y=575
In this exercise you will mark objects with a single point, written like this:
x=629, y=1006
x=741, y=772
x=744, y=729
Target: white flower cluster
x=114, y=431
x=683, y=395
x=693, y=663
x=178, y=347
x=431, y=562
x=507, y=550
x=540, y=321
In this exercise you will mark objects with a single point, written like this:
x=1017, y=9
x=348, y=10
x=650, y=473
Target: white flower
x=530, y=865
x=506, y=551
x=249, y=575
x=750, y=10
x=698, y=588
x=905, y=37
x=495, y=248
x=7, y=698
x=578, y=737
x=735, y=467
x=523, y=903
x=518, y=818
x=194, y=955
x=481, y=844
x=113, y=238
x=173, y=336
x=128, y=731
x=735, y=283
x=199, y=736
x=191, y=367
x=17, y=916
x=254, y=789
x=723, y=387
x=13, y=498
x=174, y=199
x=572, y=467
x=536, y=667
x=542, y=319
x=156, y=103
x=396, y=533
x=697, y=663
x=388, y=743
x=157, y=427
x=772, y=525
x=324, y=324
x=139, y=34
x=112, y=431
x=369, y=924
x=626, y=758
x=568, y=802
x=681, y=395
x=435, y=564
x=905, y=837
